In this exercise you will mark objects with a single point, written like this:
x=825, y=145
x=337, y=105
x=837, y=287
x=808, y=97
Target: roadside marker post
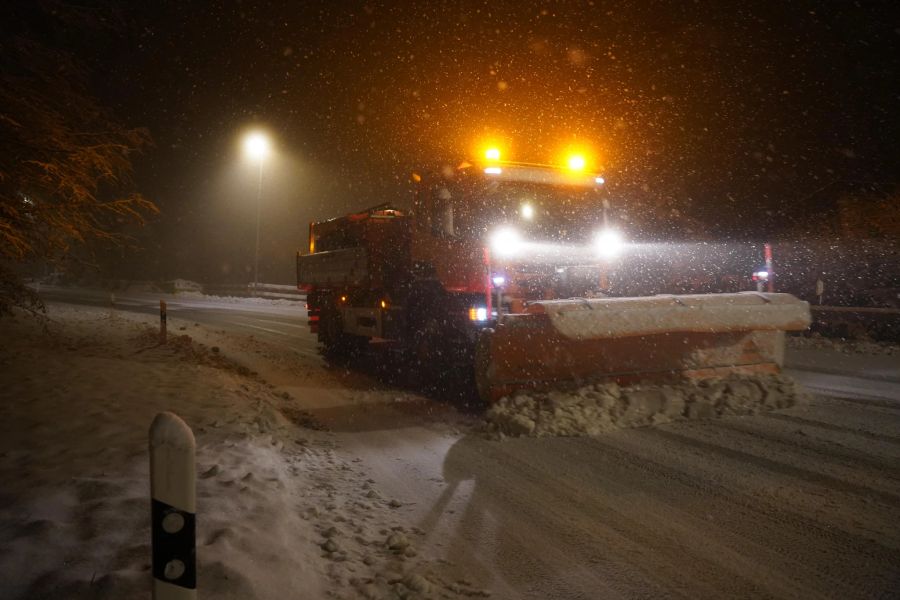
x=162, y=322
x=769, y=268
x=173, y=492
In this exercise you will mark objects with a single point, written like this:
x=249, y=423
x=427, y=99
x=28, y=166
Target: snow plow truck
x=499, y=269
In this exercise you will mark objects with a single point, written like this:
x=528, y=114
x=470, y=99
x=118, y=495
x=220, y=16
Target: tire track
x=844, y=559
x=818, y=449
x=594, y=524
x=785, y=468
x=891, y=405
x=669, y=514
x=844, y=429
x=544, y=539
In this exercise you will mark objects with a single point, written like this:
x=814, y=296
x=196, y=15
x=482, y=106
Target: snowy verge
x=844, y=346
x=244, y=299
x=281, y=512
x=594, y=409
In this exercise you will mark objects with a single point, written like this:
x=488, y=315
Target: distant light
x=527, y=211
x=384, y=304
x=492, y=154
x=599, y=180
x=506, y=242
x=609, y=243
x=493, y=170
x=499, y=280
x=257, y=146
x=576, y=162
x=761, y=274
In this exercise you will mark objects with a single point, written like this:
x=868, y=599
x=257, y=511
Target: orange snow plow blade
x=561, y=343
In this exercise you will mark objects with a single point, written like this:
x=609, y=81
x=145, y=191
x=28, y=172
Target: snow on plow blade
x=558, y=343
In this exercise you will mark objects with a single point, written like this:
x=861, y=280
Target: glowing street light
x=527, y=211
x=257, y=147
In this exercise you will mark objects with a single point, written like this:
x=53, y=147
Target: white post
x=173, y=498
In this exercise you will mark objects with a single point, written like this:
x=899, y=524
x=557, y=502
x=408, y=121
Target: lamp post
x=257, y=147
x=601, y=182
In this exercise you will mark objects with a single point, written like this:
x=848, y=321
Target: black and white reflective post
x=162, y=322
x=173, y=483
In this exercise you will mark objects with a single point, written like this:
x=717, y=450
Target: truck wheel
x=482, y=367
x=439, y=354
x=427, y=356
x=337, y=346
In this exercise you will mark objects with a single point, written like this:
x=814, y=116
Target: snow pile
x=185, y=285
x=844, y=346
x=282, y=511
x=594, y=409
x=252, y=300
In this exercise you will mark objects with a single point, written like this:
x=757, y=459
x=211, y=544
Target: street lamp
x=601, y=183
x=257, y=147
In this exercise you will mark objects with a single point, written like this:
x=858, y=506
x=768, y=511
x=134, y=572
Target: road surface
x=803, y=503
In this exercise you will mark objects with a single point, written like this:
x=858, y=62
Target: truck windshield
x=541, y=212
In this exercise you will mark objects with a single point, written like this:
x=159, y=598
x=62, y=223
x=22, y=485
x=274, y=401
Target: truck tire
x=337, y=346
x=423, y=336
x=438, y=355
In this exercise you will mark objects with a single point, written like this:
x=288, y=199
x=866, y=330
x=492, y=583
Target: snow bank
x=844, y=346
x=594, y=409
x=281, y=512
x=185, y=285
x=246, y=300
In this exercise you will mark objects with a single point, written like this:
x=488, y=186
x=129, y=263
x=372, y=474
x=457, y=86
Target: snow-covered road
x=800, y=503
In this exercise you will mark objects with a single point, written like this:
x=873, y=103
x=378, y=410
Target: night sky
x=709, y=119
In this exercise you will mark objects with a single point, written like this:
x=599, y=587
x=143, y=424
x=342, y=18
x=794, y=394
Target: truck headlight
x=506, y=241
x=608, y=243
